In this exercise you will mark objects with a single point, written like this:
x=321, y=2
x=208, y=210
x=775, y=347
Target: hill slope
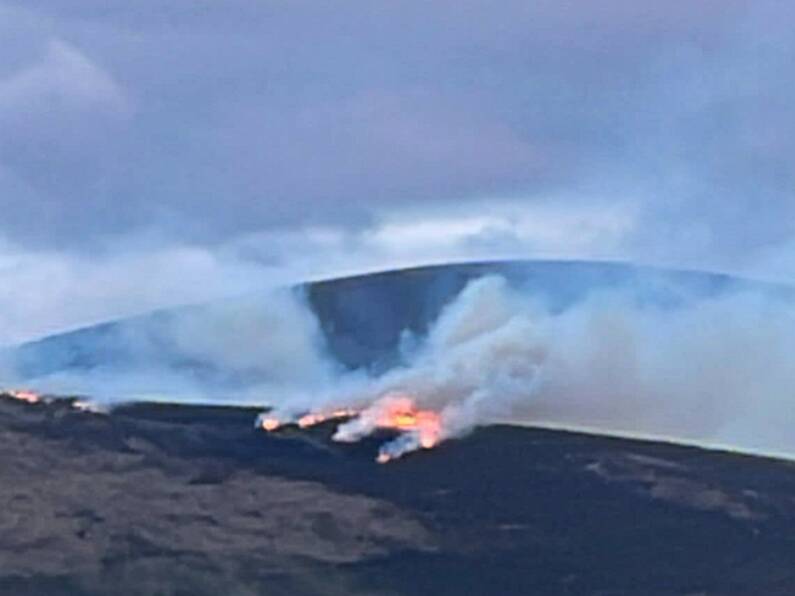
x=362, y=317
x=186, y=500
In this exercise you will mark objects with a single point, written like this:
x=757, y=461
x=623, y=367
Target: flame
x=315, y=418
x=416, y=428
x=30, y=397
x=400, y=413
x=269, y=423
x=308, y=420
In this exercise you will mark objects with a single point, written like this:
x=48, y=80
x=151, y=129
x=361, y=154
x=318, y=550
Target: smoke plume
x=711, y=371
x=261, y=348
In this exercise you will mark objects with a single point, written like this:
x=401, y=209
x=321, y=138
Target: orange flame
x=273, y=423
x=269, y=423
x=315, y=418
x=30, y=397
x=419, y=429
x=402, y=414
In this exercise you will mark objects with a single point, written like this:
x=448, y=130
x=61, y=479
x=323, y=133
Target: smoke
x=707, y=370
x=622, y=130
x=711, y=368
x=259, y=348
x=130, y=182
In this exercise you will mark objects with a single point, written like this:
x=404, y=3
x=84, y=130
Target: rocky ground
x=173, y=500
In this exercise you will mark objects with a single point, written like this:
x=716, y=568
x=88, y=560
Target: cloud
x=313, y=138
x=49, y=292
x=59, y=116
x=241, y=125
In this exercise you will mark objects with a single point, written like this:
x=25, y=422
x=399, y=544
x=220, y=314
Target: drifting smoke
x=711, y=371
x=233, y=351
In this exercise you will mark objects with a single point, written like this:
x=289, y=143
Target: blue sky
x=156, y=152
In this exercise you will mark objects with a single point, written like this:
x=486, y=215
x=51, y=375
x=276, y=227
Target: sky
x=156, y=153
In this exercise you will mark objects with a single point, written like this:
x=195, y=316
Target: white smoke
x=713, y=371
x=275, y=337
x=256, y=349
x=707, y=370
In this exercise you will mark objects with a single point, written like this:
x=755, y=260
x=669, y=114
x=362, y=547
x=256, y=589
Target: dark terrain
x=171, y=500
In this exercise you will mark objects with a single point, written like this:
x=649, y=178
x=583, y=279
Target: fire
x=315, y=418
x=269, y=423
x=30, y=397
x=403, y=421
x=401, y=414
x=272, y=423
x=416, y=428
x=309, y=420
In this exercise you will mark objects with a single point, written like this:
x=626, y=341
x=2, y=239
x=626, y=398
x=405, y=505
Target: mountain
x=363, y=317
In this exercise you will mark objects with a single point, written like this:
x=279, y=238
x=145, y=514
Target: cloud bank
x=241, y=125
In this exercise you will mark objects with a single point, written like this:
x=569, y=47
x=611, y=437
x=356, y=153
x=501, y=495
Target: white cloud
x=559, y=228
x=49, y=291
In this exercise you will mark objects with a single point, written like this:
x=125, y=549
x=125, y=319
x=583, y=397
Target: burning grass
x=417, y=428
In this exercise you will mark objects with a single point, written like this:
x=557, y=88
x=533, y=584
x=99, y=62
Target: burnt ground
x=180, y=500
